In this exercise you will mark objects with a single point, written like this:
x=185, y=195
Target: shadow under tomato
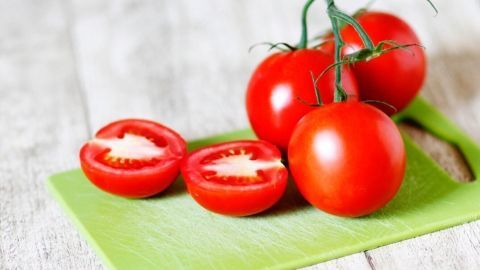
x=290, y=202
x=177, y=188
x=425, y=184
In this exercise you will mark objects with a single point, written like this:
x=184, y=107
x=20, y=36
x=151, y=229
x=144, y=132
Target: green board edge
x=76, y=222
x=419, y=111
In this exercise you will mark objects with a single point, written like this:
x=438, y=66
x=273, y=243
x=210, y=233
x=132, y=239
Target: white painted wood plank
x=183, y=63
x=187, y=63
x=41, y=128
x=356, y=261
x=450, y=38
x=452, y=87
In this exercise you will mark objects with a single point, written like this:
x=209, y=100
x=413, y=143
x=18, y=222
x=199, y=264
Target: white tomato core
x=240, y=165
x=131, y=146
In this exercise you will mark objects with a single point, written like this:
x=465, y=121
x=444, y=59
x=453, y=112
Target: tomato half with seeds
x=133, y=158
x=237, y=178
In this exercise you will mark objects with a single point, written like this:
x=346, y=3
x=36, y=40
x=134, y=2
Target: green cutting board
x=171, y=231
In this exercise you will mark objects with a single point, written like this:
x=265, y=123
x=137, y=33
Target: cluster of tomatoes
x=346, y=158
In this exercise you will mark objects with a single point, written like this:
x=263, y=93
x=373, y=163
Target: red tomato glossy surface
x=347, y=159
x=272, y=105
x=133, y=158
x=395, y=77
x=238, y=178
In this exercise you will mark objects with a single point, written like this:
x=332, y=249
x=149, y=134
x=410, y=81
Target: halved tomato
x=133, y=158
x=237, y=178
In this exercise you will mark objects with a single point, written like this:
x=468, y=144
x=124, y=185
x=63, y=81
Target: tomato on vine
x=397, y=76
x=282, y=84
x=347, y=158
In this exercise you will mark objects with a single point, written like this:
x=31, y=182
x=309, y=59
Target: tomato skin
x=347, y=159
x=395, y=77
x=241, y=199
x=271, y=99
x=128, y=182
x=244, y=204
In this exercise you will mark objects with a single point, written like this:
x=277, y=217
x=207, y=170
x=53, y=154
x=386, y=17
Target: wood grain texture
x=42, y=125
x=68, y=67
x=447, y=155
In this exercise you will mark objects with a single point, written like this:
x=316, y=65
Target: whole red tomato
x=395, y=77
x=272, y=96
x=347, y=159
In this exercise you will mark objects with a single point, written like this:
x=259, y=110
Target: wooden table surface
x=68, y=67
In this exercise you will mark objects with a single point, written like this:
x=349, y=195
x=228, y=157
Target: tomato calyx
x=366, y=54
x=336, y=16
x=370, y=51
x=282, y=46
x=388, y=105
x=286, y=47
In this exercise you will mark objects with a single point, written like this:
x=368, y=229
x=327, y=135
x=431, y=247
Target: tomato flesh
x=236, y=178
x=347, y=159
x=281, y=82
x=133, y=158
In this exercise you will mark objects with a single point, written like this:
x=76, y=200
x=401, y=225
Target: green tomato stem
x=354, y=23
x=304, y=38
x=336, y=16
x=340, y=94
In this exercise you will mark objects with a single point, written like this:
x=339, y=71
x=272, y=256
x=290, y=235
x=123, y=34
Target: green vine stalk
x=335, y=15
x=304, y=38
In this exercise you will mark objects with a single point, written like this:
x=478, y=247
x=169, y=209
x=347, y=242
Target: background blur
x=67, y=67
x=184, y=63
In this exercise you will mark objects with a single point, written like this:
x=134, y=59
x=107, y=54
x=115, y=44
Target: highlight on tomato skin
x=133, y=158
x=347, y=158
x=395, y=77
x=238, y=178
x=280, y=86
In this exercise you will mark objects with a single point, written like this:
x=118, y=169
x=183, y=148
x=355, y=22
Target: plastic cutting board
x=171, y=231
